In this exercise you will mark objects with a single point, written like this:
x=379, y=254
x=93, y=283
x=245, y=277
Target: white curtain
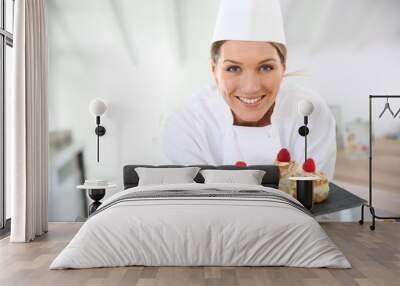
x=27, y=121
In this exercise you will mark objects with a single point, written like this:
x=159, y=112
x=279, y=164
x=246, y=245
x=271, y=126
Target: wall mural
x=163, y=82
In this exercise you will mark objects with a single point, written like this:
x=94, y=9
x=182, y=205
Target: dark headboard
x=270, y=179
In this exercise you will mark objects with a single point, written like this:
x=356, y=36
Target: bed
x=201, y=224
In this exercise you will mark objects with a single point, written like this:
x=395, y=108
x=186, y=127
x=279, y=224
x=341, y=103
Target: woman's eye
x=266, y=68
x=233, y=69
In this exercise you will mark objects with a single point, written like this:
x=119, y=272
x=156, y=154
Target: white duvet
x=200, y=231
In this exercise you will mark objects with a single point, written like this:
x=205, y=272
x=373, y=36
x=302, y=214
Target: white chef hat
x=250, y=20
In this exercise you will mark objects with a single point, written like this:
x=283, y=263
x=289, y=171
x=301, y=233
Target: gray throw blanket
x=206, y=194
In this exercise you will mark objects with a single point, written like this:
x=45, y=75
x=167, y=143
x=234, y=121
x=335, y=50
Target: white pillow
x=163, y=176
x=248, y=177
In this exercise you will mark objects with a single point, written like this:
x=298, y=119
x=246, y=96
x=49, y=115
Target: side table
x=96, y=193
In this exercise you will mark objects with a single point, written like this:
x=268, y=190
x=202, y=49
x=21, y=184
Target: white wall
x=143, y=57
x=346, y=76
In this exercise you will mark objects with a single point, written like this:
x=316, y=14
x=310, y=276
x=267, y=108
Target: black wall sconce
x=97, y=107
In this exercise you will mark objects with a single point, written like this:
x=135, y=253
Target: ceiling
x=131, y=31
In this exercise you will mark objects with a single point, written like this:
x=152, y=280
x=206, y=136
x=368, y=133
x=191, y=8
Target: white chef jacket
x=201, y=131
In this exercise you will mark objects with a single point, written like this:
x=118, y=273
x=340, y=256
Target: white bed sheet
x=200, y=231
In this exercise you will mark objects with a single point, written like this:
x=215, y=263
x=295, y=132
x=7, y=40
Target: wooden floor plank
x=375, y=257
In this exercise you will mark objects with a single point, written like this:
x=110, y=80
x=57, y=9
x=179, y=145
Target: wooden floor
x=375, y=257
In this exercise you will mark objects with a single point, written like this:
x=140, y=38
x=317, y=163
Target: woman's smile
x=250, y=101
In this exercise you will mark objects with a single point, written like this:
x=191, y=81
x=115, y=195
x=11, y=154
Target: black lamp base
x=96, y=195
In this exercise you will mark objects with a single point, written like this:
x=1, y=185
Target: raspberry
x=309, y=166
x=240, y=164
x=283, y=155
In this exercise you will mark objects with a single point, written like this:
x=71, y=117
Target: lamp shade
x=97, y=107
x=305, y=107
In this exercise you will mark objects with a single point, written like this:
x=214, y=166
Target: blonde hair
x=215, y=53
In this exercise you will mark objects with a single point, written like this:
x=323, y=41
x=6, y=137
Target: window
x=6, y=44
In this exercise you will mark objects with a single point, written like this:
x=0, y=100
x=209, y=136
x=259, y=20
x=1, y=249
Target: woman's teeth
x=247, y=100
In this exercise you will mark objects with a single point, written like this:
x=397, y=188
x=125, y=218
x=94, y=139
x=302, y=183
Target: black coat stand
x=369, y=205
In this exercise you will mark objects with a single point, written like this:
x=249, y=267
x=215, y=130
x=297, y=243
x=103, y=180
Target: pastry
x=289, y=168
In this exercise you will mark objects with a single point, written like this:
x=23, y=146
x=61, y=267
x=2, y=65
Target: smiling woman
x=251, y=112
x=249, y=85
